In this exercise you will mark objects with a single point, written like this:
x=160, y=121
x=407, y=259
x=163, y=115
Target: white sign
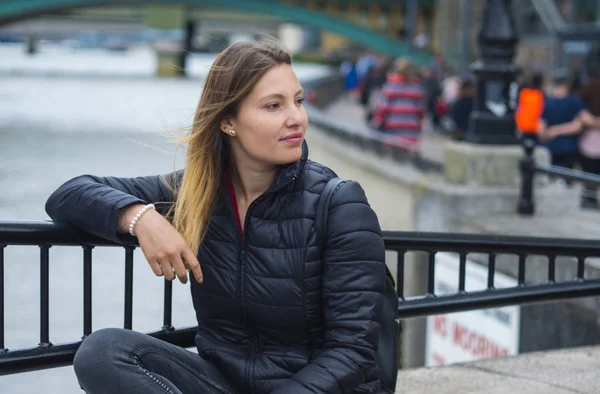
x=472, y=335
x=498, y=109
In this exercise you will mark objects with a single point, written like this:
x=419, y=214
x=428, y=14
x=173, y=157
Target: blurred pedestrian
x=561, y=124
x=589, y=142
x=530, y=105
x=371, y=91
x=349, y=74
x=401, y=106
x=462, y=108
x=433, y=89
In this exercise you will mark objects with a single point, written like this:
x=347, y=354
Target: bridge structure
x=379, y=25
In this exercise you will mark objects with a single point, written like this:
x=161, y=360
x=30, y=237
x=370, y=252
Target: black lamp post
x=496, y=94
x=187, y=44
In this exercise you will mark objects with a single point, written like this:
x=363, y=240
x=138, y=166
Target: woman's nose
x=295, y=116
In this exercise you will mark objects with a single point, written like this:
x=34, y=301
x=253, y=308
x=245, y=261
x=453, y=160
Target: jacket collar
x=286, y=174
x=289, y=172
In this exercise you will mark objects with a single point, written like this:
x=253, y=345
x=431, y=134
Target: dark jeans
x=117, y=361
x=590, y=192
x=566, y=160
x=433, y=114
x=569, y=160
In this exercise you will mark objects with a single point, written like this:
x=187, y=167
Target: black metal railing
x=529, y=167
x=44, y=235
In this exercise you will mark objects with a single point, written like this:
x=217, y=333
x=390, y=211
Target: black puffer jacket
x=272, y=316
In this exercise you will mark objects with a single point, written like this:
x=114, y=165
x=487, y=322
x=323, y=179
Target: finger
x=167, y=269
x=179, y=268
x=193, y=264
x=155, y=266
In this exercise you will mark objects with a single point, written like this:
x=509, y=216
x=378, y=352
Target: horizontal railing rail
x=45, y=234
x=567, y=173
x=529, y=168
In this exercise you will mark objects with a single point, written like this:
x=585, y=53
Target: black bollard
x=187, y=45
x=31, y=44
x=527, y=166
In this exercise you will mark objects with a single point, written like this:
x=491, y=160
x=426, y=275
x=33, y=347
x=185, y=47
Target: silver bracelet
x=138, y=216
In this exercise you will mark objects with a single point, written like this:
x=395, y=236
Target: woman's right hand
x=165, y=249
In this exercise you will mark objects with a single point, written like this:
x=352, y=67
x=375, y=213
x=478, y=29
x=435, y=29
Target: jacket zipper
x=249, y=386
x=241, y=255
x=240, y=250
x=253, y=335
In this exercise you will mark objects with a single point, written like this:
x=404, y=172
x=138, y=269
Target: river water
x=64, y=113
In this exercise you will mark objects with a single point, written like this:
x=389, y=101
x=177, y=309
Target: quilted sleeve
x=94, y=203
x=353, y=283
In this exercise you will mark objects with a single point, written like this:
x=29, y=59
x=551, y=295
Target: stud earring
x=231, y=132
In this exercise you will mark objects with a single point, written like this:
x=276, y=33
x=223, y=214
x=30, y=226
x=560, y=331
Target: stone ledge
x=554, y=372
x=579, y=224
x=487, y=165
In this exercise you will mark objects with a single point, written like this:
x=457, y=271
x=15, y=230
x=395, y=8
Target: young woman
x=273, y=315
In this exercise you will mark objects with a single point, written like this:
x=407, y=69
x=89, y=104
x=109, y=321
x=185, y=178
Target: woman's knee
x=100, y=352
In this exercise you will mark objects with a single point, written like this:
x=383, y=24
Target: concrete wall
x=391, y=200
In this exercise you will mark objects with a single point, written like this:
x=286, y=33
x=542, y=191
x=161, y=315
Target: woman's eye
x=272, y=106
x=300, y=101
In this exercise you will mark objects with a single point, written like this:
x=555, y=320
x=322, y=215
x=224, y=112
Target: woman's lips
x=293, y=138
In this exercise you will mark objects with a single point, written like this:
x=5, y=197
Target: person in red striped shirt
x=401, y=107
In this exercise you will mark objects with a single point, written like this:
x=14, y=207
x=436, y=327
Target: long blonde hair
x=231, y=78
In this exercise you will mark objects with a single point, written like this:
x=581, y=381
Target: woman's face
x=271, y=121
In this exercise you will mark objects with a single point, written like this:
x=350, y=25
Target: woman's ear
x=226, y=127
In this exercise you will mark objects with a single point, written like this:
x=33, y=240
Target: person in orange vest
x=530, y=106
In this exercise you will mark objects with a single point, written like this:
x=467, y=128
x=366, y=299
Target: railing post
x=2, y=348
x=527, y=166
x=45, y=295
x=87, y=290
